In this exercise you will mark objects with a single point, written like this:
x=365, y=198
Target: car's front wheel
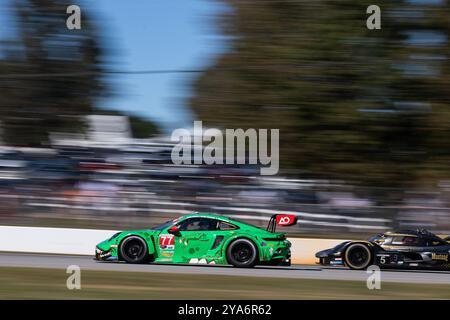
x=242, y=253
x=358, y=256
x=134, y=250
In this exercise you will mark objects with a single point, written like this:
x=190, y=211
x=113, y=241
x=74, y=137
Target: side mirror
x=174, y=230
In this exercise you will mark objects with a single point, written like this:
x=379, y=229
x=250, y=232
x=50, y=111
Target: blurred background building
x=364, y=115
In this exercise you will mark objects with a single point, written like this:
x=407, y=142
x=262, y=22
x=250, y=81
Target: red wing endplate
x=282, y=220
x=285, y=220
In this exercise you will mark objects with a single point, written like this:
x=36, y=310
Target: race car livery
x=202, y=239
x=415, y=249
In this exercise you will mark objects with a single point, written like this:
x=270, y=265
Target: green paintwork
x=196, y=246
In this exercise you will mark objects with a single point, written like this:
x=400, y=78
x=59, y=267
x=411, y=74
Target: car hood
x=325, y=253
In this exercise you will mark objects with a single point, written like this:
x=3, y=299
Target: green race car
x=202, y=239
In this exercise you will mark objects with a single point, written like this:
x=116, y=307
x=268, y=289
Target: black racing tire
x=134, y=249
x=358, y=256
x=242, y=253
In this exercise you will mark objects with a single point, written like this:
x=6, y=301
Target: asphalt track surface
x=293, y=272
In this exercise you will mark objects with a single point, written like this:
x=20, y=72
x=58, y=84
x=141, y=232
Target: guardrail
x=83, y=241
x=146, y=208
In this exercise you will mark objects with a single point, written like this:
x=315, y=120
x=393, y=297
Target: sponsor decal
x=441, y=257
x=167, y=241
x=201, y=261
x=286, y=220
x=167, y=254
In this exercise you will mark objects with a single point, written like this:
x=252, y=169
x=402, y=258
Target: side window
x=409, y=241
x=198, y=224
x=189, y=224
x=226, y=226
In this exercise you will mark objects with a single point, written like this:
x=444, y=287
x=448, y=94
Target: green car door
x=195, y=238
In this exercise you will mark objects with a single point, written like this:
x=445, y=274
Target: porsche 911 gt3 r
x=418, y=249
x=204, y=239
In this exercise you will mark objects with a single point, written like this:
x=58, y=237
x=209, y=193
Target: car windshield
x=379, y=238
x=375, y=238
x=164, y=225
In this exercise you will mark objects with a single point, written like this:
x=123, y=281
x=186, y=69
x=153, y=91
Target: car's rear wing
x=282, y=220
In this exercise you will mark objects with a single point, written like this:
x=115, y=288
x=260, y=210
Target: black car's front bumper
x=328, y=258
x=330, y=261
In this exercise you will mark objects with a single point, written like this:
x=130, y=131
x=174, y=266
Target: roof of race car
x=205, y=215
x=216, y=216
x=422, y=233
x=201, y=214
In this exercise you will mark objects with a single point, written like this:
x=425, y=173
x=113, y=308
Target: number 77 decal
x=166, y=240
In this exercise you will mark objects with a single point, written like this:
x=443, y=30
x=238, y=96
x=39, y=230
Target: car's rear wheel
x=358, y=256
x=134, y=250
x=242, y=253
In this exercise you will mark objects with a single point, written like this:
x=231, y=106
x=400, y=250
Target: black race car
x=416, y=249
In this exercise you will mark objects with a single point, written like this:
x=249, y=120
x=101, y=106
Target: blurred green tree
x=49, y=75
x=367, y=106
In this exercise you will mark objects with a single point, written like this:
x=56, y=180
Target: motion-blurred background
x=364, y=115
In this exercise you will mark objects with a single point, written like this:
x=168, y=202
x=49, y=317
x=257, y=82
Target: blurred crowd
x=137, y=186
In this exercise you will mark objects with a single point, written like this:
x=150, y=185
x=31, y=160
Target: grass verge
x=35, y=283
